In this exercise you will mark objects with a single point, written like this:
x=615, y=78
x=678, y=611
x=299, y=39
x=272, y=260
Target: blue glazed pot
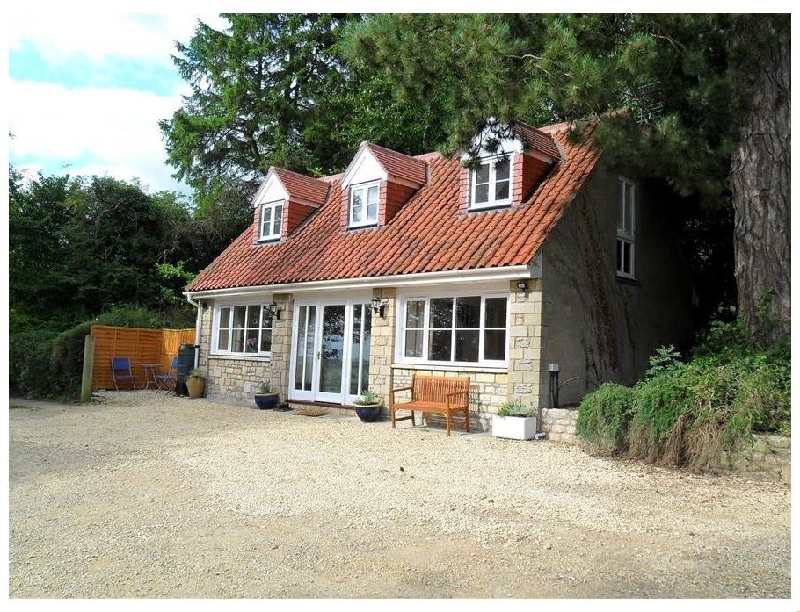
x=265, y=401
x=368, y=413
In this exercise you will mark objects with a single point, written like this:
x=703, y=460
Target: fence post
x=88, y=368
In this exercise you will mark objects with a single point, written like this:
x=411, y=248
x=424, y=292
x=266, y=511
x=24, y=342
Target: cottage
x=534, y=270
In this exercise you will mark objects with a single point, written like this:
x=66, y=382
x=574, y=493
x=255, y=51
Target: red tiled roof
x=397, y=164
x=303, y=187
x=537, y=139
x=428, y=234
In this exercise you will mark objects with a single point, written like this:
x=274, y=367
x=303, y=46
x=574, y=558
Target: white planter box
x=517, y=428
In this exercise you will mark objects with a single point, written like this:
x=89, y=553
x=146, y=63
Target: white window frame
x=271, y=207
x=426, y=329
x=493, y=201
x=218, y=308
x=364, y=189
x=626, y=230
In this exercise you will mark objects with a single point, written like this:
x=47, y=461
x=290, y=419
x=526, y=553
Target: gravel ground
x=142, y=495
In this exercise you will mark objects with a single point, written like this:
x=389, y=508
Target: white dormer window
x=271, y=220
x=364, y=204
x=490, y=183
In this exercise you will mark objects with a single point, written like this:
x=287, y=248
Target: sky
x=86, y=91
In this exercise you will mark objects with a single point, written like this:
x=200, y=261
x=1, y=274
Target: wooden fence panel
x=139, y=345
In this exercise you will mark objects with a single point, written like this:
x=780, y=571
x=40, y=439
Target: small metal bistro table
x=150, y=371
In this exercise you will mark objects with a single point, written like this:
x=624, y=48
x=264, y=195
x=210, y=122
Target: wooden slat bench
x=434, y=394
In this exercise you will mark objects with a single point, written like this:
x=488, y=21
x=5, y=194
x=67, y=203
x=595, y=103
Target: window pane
x=266, y=319
x=442, y=313
x=467, y=345
x=414, y=339
x=372, y=195
x=482, y=174
x=238, y=341
x=224, y=338
x=372, y=212
x=495, y=313
x=415, y=313
x=468, y=312
x=357, y=206
x=481, y=194
x=277, y=222
x=439, y=345
x=266, y=219
x=238, y=316
x=253, y=316
x=502, y=169
x=494, y=344
x=224, y=317
x=251, y=343
x=501, y=190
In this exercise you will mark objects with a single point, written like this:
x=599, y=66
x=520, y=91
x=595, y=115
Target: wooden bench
x=434, y=394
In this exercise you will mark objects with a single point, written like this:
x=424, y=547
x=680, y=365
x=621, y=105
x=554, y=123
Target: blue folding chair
x=168, y=381
x=121, y=371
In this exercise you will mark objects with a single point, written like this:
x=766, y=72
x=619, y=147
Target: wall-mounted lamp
x=378, y=304
x=522, y=286
x=273, y=311
x=203, y=305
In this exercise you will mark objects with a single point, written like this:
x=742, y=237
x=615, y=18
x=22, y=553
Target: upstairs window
x=626, y=229
x=364, y=204
x=243, y=330
x=490, y=183
x=271, y=220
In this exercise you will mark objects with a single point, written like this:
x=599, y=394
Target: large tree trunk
x=760, y=184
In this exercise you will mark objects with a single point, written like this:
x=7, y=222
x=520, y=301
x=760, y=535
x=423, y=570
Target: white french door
x=330, y=350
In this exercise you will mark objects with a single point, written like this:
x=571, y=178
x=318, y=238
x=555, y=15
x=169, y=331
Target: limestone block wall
x=559, y=424
x=382, y=346
x=769, y=458
x=525, y=344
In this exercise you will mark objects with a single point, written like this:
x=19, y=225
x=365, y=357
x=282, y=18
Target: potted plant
x=513, y=420
x=265, y=397
x=195, y=383
x=368, y=406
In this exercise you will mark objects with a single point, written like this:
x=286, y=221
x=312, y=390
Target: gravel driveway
x=143, y=495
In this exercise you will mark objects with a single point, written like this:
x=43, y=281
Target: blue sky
x=86, y=90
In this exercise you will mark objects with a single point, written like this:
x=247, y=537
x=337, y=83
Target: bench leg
x=448, y=423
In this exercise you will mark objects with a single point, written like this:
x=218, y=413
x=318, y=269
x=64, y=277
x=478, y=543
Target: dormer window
x=364, y=204
x=491, y=183
x=271, y=220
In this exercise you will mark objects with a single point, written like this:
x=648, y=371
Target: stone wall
x=559, y=424
x=525, y=344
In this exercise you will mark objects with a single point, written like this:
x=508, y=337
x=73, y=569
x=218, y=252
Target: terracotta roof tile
x=427, y=234
x=396, y=164
x=303, y=187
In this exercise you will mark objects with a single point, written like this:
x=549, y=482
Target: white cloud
x=117, y=129
x=85, y=131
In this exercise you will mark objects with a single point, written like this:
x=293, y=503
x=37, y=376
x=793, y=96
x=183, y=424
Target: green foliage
x=515, y=407
x=684, y=414
x=367, y=398
x=604, y=416
x=30, y=362
x=131, y=316
x=195, y=373
x=264, y=387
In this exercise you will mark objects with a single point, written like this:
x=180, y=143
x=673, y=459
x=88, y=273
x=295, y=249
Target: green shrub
x=30, y=362
x=604, y=416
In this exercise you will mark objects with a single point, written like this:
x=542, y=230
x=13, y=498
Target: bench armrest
x=393, y=391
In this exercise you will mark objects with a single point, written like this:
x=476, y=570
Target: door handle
x=319, y=354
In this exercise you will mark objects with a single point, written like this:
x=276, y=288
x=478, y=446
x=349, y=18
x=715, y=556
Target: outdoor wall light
x=522, y=286
x=378, y=304
x=273, y=311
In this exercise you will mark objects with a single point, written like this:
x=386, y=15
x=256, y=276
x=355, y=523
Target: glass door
x=330, y=352
x=305, y=349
